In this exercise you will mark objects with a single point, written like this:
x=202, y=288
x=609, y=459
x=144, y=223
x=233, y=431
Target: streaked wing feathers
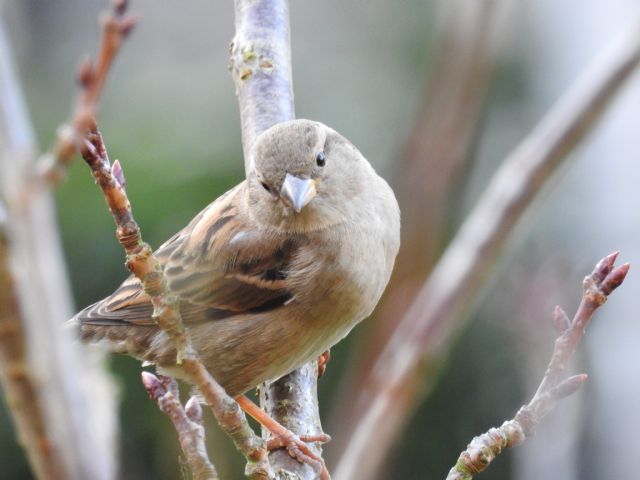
x=219, y=265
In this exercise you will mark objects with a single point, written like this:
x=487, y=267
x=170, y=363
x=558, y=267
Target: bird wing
x=220, y=265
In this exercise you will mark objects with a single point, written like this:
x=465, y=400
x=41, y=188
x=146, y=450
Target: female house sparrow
x=272, y=273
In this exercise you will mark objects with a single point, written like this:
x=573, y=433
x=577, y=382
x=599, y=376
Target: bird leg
x=323, y=360
x=296, y=445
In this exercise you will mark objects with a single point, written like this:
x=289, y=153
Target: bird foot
x=323, y=360
x=282, y=437
x=297, y=448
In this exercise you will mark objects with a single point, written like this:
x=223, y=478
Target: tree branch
x=483, y=449
x=19, y=386
x=61, y=400
x=142, y=263
x=438, y=312
x=115, y=25
x=82, y=135
x=260, y=64
x=187, y=421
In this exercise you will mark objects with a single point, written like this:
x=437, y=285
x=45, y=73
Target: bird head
x=304, y=174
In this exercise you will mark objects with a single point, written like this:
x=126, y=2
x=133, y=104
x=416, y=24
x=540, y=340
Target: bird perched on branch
x=272, y=273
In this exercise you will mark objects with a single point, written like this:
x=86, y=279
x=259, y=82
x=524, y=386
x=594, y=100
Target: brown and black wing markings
x=219, y=266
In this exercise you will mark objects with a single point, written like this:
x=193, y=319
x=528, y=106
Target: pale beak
x=297, y=191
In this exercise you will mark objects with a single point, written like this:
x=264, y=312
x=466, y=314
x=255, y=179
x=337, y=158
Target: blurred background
x=374, y=71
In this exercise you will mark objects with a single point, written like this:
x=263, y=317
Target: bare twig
x=260, y=63
x=166, y=313
x=553, y=388
x=82, y=135
x=293, y=401
x=438, y=312
x=187, y=421
x=116, y=25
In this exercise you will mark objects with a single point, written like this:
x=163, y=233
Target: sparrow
x=272, y=273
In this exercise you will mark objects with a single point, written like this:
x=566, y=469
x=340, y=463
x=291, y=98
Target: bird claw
x=284, y=438
x=323, y=360
x=297, y=448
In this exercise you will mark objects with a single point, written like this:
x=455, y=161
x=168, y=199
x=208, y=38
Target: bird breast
x=351, y=267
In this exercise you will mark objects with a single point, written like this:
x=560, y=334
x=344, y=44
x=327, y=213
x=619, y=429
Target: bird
x=272, y=273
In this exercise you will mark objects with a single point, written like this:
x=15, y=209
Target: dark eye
x=266, y=187
x=320, y=160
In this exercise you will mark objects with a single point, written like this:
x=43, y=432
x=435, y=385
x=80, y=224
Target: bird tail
x=112, y=335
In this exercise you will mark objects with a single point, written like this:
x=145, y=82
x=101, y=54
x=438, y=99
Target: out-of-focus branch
x=62, y=402
x=406, y=367
x=440, y=144
x=435, y=158
x=115, y=26
x=260, y=63
x=166, y=312
x=19, y=386
x=187, y=421
x=483, y=449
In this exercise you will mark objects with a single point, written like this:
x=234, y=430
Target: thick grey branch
x=261, y=69
x=260, y=63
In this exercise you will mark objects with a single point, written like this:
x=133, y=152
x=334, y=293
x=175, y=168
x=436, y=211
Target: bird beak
x=297, y=191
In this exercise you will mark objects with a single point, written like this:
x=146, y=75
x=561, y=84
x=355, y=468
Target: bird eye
x=266, y=187
x=320, y=159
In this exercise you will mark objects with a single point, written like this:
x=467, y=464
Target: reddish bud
x=118, y=173
x=127, y=24
x=568, y=386
x=120, y=6
x=84, y=76
x=604, y=266
x=152, y=385
x=614, y=279
x=90, y=150
x=560, y=319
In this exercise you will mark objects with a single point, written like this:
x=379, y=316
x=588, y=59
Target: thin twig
x=439, y=310
x=483, y=449
x=115, y=25
x=187, y=421
x=82, y=135
x=166, y=312
x=260, y=63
